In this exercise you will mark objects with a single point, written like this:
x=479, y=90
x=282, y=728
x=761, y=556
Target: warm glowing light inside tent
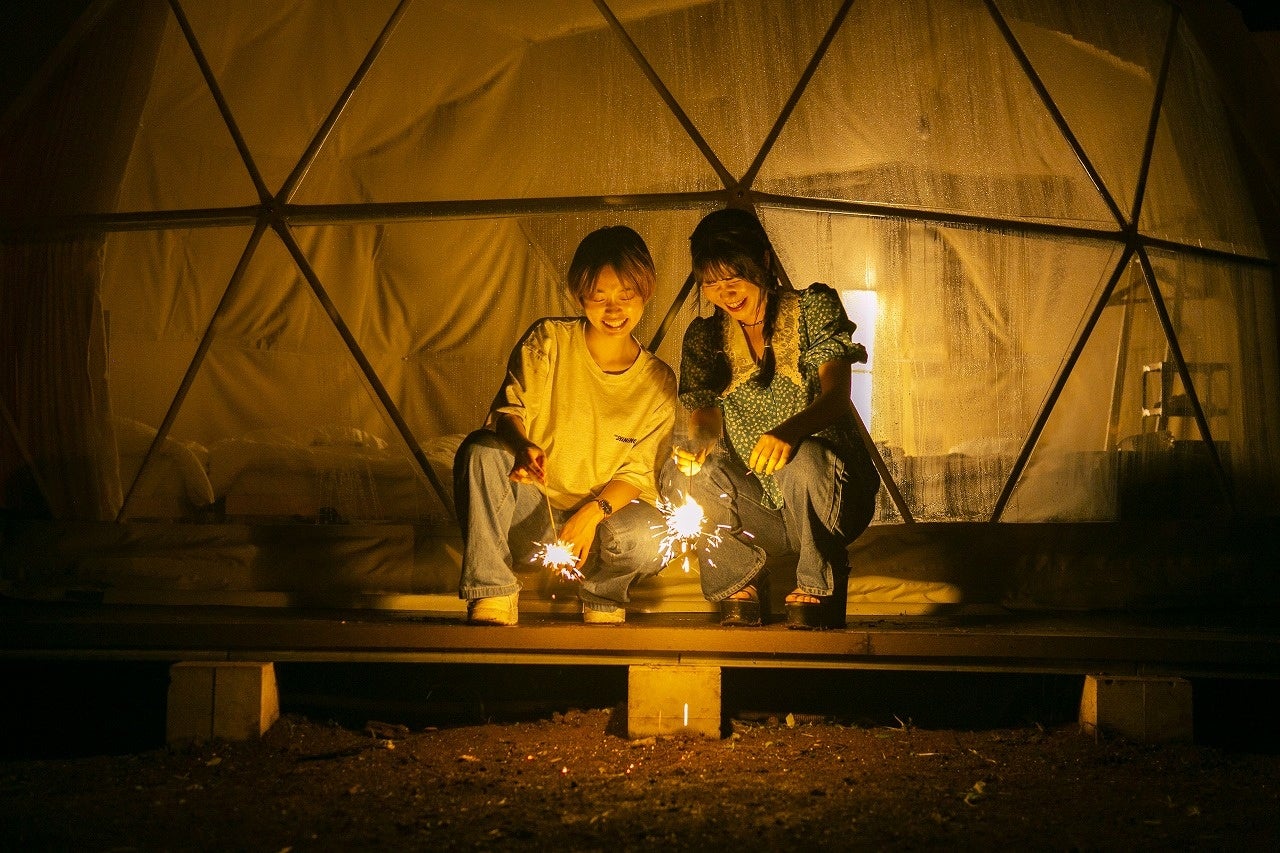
x=861, y=306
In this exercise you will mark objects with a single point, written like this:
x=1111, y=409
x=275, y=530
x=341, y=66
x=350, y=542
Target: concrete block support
x=670, y=699
x=1142, y=708
x=227, y=700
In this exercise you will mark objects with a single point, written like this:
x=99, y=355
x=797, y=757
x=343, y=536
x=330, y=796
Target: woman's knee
x=630, y=533
x=720, y=475
x=478, y=448
x=811, y=462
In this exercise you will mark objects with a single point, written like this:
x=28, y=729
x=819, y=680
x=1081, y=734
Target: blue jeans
x=502, y=521
x=823, y=511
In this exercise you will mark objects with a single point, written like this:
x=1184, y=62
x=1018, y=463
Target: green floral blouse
x=717, y=369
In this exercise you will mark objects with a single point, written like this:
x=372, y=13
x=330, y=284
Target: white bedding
x=329, y=474
x=175, y=484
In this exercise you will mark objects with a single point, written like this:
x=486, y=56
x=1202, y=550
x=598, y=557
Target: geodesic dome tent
x=263, y=267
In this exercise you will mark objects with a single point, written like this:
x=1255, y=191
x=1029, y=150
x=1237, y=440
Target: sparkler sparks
x=557, y=557
x=685, y=523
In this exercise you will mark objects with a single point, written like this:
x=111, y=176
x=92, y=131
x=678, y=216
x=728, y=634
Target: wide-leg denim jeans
x=822, y=513
x=502, y=521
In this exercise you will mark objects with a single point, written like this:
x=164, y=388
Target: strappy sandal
x=750, y=607
x=817, y=612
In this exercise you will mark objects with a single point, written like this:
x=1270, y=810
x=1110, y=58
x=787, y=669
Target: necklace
x=750, y=325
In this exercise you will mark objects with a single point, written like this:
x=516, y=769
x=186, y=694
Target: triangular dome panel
x=729, y=72
x=460, y=108
x=951, y=340
x=1099, y=62
x=1196, y=192
x=183, y=156
x=908, y=112
x=283, y=66
x=422, y=332
x=153, y=333
x=293, y=429
x=1144, y=455
x=1071, y=474
x=1217, y=311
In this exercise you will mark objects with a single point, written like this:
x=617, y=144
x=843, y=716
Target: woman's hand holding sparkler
x=701, y=436
x=690, y=461
x=563, y=556
x=530, y=466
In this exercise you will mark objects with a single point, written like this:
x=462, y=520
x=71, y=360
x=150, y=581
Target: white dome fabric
x=300, y=238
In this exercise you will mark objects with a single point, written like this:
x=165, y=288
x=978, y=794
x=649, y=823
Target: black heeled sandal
x=747, y=612
x=829, y=611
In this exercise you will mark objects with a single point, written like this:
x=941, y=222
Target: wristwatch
x=605, y=507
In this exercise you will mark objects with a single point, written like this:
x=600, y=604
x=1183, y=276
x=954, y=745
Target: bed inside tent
x=262, y=270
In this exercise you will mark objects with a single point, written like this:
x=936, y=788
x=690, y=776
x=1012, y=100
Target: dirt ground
x=447, y=766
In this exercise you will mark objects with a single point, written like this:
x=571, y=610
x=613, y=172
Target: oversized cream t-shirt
x=594, y=426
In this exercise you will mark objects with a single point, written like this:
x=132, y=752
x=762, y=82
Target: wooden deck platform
x=1217, y=644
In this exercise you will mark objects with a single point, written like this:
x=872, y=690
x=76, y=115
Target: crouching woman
x=772, y=451
x=571, y=445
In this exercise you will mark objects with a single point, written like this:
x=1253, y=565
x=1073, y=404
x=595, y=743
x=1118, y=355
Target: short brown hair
x=732, y=242
x=614, y=246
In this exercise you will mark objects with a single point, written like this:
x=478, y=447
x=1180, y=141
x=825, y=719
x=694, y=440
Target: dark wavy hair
x=732, y=243
x=614, y=246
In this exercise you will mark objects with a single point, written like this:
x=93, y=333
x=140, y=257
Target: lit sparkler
x=558, y=555
x=684, y=525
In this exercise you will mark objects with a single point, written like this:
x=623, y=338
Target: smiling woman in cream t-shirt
x=582, y=422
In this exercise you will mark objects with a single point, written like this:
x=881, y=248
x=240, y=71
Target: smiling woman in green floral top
x=773, y=453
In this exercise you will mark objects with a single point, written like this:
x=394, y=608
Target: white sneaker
x=604, y=617
x=497, y=610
